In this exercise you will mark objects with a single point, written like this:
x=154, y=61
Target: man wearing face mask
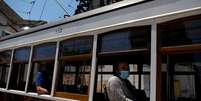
x=119, y=87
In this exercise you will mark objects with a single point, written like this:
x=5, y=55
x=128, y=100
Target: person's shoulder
x=114, y=79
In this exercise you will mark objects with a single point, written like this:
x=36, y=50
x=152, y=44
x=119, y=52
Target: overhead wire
x=33, y=3
x=62, y=7
x=73, y=8
x=69, y=10
x=43, y=9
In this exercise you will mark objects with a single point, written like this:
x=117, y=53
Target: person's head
x=121, y=70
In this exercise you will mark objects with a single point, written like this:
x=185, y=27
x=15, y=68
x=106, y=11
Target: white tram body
x=120, y=15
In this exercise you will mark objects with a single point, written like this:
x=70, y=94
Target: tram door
x=181, y=77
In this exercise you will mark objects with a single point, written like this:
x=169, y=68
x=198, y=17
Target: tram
x=160, y=39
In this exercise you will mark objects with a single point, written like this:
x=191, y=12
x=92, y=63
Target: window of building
x=5, y=57
x=42, y=68
x=74, y=68
x=19, y=68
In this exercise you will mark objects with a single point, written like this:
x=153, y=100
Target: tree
x=83, y=6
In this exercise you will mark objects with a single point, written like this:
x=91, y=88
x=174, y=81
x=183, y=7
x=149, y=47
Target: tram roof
x=91, y=13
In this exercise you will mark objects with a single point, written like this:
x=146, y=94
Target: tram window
x=104, y=73
x=133, y=67
x=74, y=68
x=42, y=68
x=19, y=69
x=183, y=31
x=5, y=57
x=125, y=39
x=76, y=46
x=182, y=77
x=75, y=77
x=137, y=79
x=44, y=52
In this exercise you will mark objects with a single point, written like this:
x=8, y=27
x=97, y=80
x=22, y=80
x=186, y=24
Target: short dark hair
x=115, y=66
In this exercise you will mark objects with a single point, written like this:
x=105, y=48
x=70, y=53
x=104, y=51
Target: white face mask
x=124, y=74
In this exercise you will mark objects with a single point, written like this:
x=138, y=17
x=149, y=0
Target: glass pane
x=4, y=69
x=184, y=67
x=22, y=54
x=146, y=68
x=74, y=77
x=134, y=79
x=102, y=81
x=18, y=76
x=44, y=51
x=77, y=46
x=182, y=77
x=125, y=39
x=41, y=77
x=145, y=84
x=105, y=68
x=5, y=57
x=181, y=32
x=133, y=67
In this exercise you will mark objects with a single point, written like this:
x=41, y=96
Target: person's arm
x=39, y=82
x=115, y=90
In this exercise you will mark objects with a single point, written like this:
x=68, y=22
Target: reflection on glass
x=44, y=52
x=22, y=54
x=77, y=46
x=182, y=32
x=5, y=56
x=125, y=39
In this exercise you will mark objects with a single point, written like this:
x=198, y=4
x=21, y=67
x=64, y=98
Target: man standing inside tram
x=119, y=87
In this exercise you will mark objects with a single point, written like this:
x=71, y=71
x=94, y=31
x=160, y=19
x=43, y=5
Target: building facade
x=11, y=22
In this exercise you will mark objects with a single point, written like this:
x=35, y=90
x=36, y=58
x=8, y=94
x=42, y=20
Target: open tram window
x=75, y=77
x=19, y=69
x=5, y=57
x=129, y=45
x=74, y=68
x=138, y=76
x=42, y=68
